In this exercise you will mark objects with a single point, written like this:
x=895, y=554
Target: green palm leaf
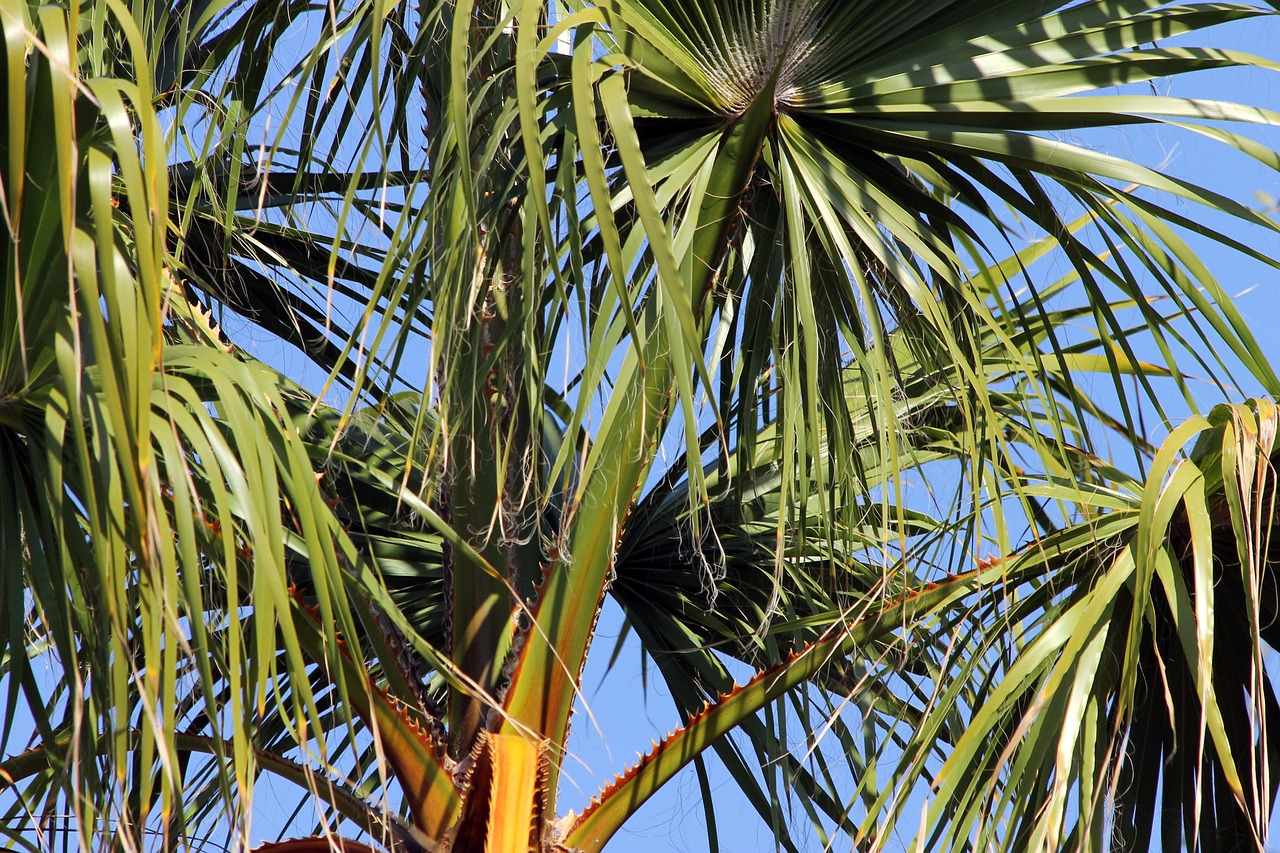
x=701, y=306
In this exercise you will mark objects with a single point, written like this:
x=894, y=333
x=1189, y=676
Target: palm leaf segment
x=781, y=236
x=865, y=141
x=145, y=467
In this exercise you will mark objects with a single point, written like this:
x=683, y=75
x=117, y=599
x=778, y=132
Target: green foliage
x=351, y=354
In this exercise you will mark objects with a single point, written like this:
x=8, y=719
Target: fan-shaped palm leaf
x=762, y=231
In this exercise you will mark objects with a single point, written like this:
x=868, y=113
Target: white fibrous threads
x=757, y=38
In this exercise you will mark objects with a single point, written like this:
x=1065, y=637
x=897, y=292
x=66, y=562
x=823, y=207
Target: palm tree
x=352, y=353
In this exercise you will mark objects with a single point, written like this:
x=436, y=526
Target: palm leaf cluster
x=352, y=353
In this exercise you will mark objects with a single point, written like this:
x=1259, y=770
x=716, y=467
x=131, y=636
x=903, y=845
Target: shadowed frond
x=351, y=354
